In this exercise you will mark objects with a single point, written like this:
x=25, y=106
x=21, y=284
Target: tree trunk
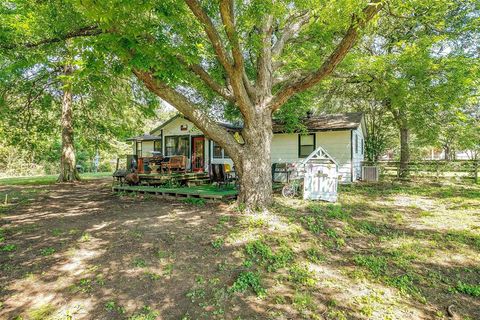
x=404, y=153
x=446, y=149
x=68, y=170
x=253, y=165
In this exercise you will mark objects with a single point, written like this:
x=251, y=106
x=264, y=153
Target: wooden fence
x=458, y=169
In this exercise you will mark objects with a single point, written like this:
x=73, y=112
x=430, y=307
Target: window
x=139, y=149
x=157, y=145
x=177, y=146
x=219, y=152
x=306, y=145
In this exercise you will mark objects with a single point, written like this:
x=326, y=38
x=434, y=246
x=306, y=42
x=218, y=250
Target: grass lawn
x=48, y=179
x=385, y=251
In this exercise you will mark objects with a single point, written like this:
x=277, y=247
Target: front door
x=198, y=153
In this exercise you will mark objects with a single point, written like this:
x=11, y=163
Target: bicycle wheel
x=288, y=191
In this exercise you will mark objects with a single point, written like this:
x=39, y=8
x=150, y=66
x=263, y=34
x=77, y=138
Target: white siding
x=336, y=143
x=284, y=147
x=173, y=128
x=358, y=156
x=218, y=160
x=147, y=148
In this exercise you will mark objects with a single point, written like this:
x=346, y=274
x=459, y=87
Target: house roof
x=145, y=137
x=163, y=124
x=228, y=126
x=328, y=122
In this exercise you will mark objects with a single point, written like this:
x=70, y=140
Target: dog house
x=321, y=176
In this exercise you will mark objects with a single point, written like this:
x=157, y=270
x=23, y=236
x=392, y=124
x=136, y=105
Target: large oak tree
x=205, y=56
x=53, y=83
x=253, y=56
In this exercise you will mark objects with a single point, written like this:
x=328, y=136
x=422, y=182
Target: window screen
x=219, y=152
x=306, y=145
x=139, y=149
x=157, y=145
x=176, y=146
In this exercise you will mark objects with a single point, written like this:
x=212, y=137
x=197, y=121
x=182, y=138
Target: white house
x=341, y=135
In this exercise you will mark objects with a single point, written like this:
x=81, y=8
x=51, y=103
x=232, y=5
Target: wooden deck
x=162, y=178
x=205, y=191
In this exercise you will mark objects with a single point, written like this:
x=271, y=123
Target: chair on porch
x=175, y=163
x=221, y=174
x=217, y=175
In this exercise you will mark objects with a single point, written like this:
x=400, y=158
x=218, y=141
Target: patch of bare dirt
x=81, y=250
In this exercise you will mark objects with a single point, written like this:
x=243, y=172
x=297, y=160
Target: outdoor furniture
x=283, y=170
x=217, y=174
x=175, y=163
x=230, y=174
x=221, y=174
x=119, y=175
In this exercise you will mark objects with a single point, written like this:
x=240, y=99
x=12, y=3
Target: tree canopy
x=250, y=61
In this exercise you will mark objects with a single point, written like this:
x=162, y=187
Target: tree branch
x=293, y=25
x=82, y=32
x=240, y=76
x=208, y=80
x=212, y=34
x=226, y=12
x=264, y=60
x=195, y=114
x=309, y=80
x=234, y=73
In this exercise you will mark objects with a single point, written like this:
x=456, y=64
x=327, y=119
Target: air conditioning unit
x=370, y=173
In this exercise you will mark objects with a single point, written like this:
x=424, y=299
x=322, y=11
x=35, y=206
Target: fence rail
x=463, y=169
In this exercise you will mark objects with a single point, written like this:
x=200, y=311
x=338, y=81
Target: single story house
x=341, y=135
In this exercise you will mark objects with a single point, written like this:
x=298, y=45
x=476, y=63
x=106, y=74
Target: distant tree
x=418, y=68
x=66, y=83
x=467, y=137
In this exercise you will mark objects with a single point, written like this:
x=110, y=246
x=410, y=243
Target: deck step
x=207, y=192
x=198, y=182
